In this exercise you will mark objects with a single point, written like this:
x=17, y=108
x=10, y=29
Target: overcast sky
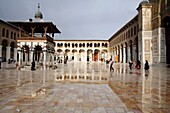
x=76, y=19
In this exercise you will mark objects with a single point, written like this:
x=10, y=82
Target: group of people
x=132, y=64
x=138, y=64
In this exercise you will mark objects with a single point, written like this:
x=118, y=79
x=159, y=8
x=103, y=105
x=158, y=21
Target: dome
x=38, y=13
x=144, y=2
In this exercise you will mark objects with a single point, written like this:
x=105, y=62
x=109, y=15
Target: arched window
x=91, y=44
x=11, y=35
x=14, y=36
x=65, y=44
x=98, y=44
x=7, y=33
x=3, y=32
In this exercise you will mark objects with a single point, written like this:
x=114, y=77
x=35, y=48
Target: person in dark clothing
x=146, y=65
x=138, y=65
x=111, y=66
x=33, y=66
x=130, y=64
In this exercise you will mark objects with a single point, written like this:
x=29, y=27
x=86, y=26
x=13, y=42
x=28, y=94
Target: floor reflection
x=141, y=91
x=82, y=72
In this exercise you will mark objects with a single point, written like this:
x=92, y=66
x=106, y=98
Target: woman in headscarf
x=146, y=65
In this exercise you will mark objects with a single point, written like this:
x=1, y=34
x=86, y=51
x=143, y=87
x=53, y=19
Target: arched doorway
x=4, y=52
x=37, y=53
x=25, y=50
x=12, y=45
x=167, y=35
x=89, y=54
x=96, y=55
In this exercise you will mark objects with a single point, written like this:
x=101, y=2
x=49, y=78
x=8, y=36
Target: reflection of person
x=146, y=65
x=111, y=66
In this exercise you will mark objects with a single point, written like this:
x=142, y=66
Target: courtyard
x=78, y=87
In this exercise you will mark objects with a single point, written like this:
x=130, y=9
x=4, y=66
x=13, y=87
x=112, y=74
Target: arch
x=4, y=52
x=12, y=45
x=89, y=54
x=59, y=50
x=130, y=44
x=37, y=56
x=166, y=22
x=74, y=50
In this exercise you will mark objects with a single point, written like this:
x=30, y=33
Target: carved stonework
x=146, y=19
x=147, y=45
x=147, y=57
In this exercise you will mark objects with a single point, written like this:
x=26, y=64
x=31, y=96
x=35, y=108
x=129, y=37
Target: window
x=3, y=32
x=11, y=35
x=131, y=32
x=7, y=33
x=14, y=36
x=135, y=30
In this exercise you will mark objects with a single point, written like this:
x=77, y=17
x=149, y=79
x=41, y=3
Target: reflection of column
x=26, y=57
x=124, y=55
x=0, y=50
x=44, y=76
x=8, y=49
x=15, y=54
x=18, y=79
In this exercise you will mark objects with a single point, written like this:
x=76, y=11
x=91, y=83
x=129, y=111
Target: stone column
x=145, y=32
x=99, y=56
x=45, y=57
x=85, y=55
x=134, y=53
x=93, y=55
x=8, y=49
x=20, y=57
x=0, y=50
x=15, y=54
x=124, y=55
x=45, y=31
x=120, y=57
x=31, y=56
x=129, y=54
x=32, y=28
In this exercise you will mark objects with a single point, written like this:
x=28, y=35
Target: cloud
x=77, y=19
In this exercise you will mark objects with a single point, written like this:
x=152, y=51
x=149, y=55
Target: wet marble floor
x=85, y=88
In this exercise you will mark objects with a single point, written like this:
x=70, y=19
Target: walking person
x=111, y=66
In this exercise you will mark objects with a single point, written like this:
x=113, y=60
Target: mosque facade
x=144, y=37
